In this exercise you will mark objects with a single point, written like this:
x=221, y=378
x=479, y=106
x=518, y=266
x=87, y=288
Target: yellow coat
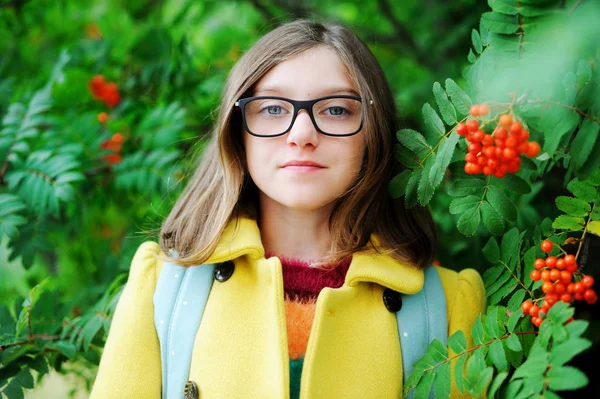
x=241, y=347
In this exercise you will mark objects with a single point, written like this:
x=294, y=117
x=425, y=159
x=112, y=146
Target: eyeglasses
x=267, y=116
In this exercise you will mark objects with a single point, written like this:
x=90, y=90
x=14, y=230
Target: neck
x=298, y=234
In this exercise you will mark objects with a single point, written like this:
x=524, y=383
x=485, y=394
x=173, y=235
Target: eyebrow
x=325, y=91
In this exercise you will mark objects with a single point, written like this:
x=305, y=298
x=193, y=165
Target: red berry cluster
x=107, y=92
x=114, y=144
x=497, y=153
x=557, y=275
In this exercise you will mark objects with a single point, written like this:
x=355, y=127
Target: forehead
x=314, y=73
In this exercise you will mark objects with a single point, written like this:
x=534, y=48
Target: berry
x=515, y=128
x=547, y=246
x=472, y=125
x=587, y=281
x=535, y=275
x=484, y=109
x=461, y=129
x=570, y=259
x=533, y=150
x=474, y=148
x=559, y=288
x=511, y=142
x=579, y=288
x=505, y=120
x=551, y=262
x=566, y=297
x=539, y=264
x=117, y=138
x=590, y=296
x=547, y=287
x=545, y=275
x=554, y=274
x=572, y=268
x=102, y=117
x=560, y=264
x=500, y=133
x=534, y=311
x=474, y=110
x=526, y=306
x=565, y=277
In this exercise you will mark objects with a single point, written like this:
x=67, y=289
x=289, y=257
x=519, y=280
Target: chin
x=304, y=201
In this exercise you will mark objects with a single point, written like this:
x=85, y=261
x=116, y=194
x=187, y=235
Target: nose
x=303, y=132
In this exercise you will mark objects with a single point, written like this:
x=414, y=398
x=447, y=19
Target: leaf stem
x=516, y=278
x=440, y=142
x=584, y=232
x=477, y=347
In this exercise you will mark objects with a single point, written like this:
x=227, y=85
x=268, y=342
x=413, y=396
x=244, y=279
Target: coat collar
x=242, y=237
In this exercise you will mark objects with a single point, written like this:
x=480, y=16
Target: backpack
x=182, y=292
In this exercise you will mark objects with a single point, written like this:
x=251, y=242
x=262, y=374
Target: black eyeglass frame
x=298, y=105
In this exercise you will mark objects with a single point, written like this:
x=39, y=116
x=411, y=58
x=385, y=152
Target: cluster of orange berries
x=114, y=143
x=498, y=153
x=107, y=92
x=557, y=275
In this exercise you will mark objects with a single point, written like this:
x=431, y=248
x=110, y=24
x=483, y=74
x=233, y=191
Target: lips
x=302, y=163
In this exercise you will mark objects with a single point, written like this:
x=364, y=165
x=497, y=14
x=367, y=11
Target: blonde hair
x=221, y=190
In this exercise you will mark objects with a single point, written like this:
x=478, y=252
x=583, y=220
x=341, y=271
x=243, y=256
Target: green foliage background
x=71, y=222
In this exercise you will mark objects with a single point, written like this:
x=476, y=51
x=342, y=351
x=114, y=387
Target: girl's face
x=315, y=73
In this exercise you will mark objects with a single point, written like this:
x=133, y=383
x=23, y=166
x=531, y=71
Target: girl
x=290, y=203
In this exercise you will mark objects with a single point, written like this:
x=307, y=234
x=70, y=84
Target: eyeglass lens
x=336, y=116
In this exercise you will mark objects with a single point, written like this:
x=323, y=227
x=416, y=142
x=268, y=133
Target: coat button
x=392, y=300
x=223, y=271
x=191, y=390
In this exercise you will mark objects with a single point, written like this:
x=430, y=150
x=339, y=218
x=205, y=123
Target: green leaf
x=584, y=140
x=398, y=184
x=510, y=246
x=491, y=250
x=513, y=343
x=468, y=222
x=406, y=156
x=491, y=219
x=424, y=386
x=582, y=190
x=560, y=312
x=13, y=390
x=577, y=328
x=504, y=43
x=410, y=198
x=442, y=383
x=529, y=260
x=566, y=379
x=471, y=57
x=567, y=350
x=491, y=275
x=534, y=366
x=564, y=222
x=498, y=283
x=458, y=342
x=442, y=160
x=557, y=122
x=497, y=355
x=508, y=7
x=66, y=348
x=433, y=124
x=502, y=204
x=414, y=141
x=461, y=205
x=459, y=98
x=573, y=206
x=491, y=323
x=462, y=187
x=500, y=23
x=445, y=106
x=476, y=40
x=425, y=190
x=515, y=184
x=496, y=383
x=459, y=375
x=516, y=300
x=477, y=331
x=25, y=378
x=438, y=351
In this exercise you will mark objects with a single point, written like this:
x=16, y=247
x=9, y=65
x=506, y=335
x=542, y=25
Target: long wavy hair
x=221, y=189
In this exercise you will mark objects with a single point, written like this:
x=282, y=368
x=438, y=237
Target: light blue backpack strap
x=179, y=301
x=421, y=319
